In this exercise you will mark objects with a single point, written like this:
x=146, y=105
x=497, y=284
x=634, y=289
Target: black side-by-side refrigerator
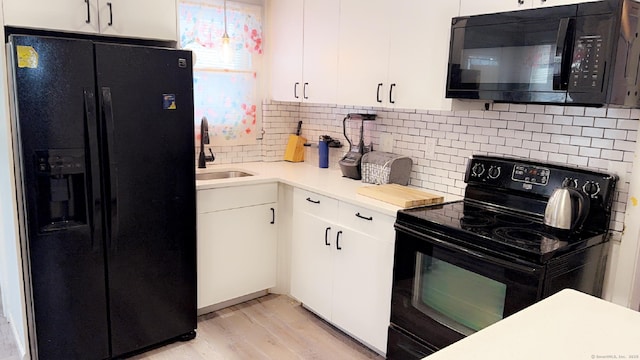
x=103, y=137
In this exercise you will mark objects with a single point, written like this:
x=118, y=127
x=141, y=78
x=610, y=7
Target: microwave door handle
x=562, y=63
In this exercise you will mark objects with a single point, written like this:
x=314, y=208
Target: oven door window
x=443, y=291
x=459, y=298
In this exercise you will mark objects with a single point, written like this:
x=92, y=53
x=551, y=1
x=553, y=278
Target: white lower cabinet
x=342, y=264
x=237, y=242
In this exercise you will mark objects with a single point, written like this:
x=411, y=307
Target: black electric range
x=463, y=265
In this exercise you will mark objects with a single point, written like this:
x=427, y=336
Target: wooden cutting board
x=399, y=195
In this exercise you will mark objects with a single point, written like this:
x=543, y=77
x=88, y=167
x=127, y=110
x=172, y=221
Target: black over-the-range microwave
x=582, y=54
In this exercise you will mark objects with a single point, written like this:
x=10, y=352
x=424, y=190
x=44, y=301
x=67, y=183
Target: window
x=225, y=79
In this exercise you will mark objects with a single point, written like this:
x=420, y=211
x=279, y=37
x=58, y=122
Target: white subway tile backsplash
x=578, y=160
x=615, y=134
x=591, y=137
x=571, y=130
x=627, y=124
x=543, y=118
x=535, y=109
x=595, y=112
x=553, y=129
x=525, y=117
x=605, y=123
x=602, y=143
x=568, y=149
x=618, y=113
x=623, y=145
x=611, y=155
x=574, y=111
x=592, y=132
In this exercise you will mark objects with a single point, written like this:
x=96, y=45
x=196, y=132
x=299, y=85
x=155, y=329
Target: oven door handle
x=469, y=252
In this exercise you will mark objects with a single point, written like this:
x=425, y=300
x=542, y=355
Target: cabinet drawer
x=315, y=204
x=236, y=197
x=367, y=221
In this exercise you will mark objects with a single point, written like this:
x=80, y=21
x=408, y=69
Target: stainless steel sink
x=225, y=174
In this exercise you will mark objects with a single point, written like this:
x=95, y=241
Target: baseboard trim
x=236, y=301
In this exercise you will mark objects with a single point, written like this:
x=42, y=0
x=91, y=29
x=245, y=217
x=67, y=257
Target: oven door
x=443, y=292
x=522, y=56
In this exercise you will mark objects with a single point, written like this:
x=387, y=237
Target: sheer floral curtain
x=225, y=80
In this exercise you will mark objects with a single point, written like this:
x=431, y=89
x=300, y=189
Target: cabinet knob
x=338, y=240
x=273, y=216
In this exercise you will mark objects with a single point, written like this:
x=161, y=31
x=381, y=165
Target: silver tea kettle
x=567, y=209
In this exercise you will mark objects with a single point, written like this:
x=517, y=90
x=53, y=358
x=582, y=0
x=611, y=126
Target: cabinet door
x=311, y=264
x=364, y=52
x=362, y=276
x=236, y=253
x=475, y=7
x=320, y=66
x=546, y=3
x=152, y=19
x=65, y=15
x=286, y=25
x=418, y=55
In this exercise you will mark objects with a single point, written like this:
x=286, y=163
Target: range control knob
x=591, y=188
x=477, y=169
x=494, y=172
x=570, y=183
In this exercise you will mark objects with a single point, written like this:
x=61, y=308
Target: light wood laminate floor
x=270, y=327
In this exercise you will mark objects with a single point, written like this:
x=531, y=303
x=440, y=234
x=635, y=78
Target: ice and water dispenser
x=61, y=188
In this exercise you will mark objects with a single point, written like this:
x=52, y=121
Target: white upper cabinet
x=418, y=54
x=396, y=58
x=475, y=7
x=320, y=60
x=286, y=34
x=152, y=19
x=364, y=52
x=541, y=3
x=304, y=50
x=64, y=15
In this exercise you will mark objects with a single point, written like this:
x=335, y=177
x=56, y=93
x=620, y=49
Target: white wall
x=11, y=282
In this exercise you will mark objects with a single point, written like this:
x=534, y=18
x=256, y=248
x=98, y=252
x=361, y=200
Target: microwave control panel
x=590, y=48
x=587, y=69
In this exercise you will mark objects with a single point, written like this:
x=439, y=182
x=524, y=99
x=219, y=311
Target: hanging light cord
x=225, y=36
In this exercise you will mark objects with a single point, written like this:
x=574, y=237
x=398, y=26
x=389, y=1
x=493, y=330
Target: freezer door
x=146, y=97
x=54, y=111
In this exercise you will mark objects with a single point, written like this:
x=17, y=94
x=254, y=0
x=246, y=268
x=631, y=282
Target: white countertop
x=568, y=325
x=327, y=182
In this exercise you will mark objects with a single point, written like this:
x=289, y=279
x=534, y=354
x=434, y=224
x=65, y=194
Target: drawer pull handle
x=273, y=216
x=313, y=201
x=338, y=240
x=88, y=21
x=370, y=218
x=326, y=236
x=110, y=14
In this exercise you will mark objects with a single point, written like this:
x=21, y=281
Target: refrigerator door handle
x=94, y=200
x=110, y=168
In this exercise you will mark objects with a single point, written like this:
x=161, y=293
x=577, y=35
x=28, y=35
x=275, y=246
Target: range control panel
x=535, y=177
